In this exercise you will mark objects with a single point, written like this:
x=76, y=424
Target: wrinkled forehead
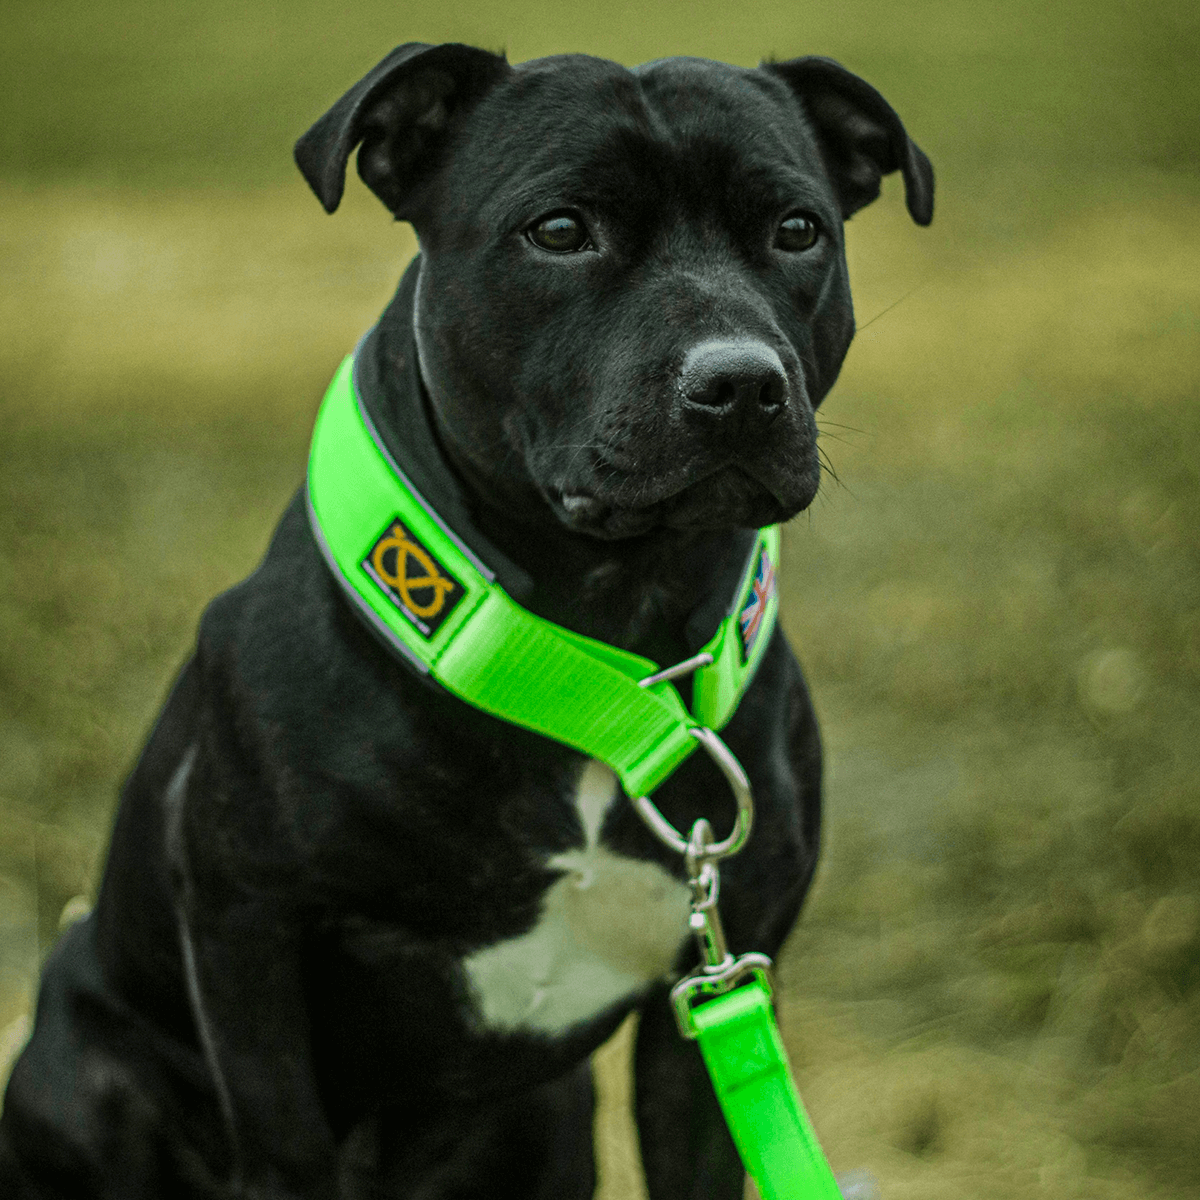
x=688, y=127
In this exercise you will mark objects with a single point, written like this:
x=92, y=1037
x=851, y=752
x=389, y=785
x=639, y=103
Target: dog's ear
x=398, y=111
x=861, y=137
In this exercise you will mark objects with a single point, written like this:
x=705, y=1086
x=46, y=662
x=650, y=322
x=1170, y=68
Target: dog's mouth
x=728, y=496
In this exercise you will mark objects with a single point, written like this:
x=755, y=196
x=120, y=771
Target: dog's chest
x=607, y=927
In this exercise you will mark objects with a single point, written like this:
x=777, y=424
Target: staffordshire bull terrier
x=356, y=937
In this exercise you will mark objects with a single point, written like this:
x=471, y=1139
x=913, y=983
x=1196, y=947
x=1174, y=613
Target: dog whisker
x=824, y=423
x=833, y=437
x=827, y=468
x=894, y=303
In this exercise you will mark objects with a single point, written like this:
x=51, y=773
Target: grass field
x=995, y=991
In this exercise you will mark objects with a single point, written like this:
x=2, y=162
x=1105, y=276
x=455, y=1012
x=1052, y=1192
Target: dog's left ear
x=861, y=137
x=400, y=111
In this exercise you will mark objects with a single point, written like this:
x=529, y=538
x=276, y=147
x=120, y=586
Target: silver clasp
x=705, y=882
x=704, y=984
x=719, y=971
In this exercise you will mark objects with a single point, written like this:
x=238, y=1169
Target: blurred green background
x=995, y=991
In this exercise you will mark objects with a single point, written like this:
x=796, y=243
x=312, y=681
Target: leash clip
x=706, y=984
x=719, y=972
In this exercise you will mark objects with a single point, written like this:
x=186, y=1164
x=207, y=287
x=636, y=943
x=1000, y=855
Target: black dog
x=354, y=937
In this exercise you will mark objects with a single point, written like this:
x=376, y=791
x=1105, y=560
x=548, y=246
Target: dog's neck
x=652, y=594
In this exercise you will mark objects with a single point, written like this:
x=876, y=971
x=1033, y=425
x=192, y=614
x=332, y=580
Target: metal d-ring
x=738, y=784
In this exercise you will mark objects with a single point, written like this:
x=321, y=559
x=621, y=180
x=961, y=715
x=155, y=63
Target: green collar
x=438, y=606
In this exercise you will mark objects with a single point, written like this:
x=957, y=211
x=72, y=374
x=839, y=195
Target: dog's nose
x=741, y=377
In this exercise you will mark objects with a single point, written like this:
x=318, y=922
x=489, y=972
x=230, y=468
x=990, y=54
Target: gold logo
x=419, y=585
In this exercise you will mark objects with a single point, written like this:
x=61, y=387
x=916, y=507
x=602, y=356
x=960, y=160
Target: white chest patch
x=607, y=928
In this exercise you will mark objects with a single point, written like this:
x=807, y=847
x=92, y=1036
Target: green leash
x=744, y=1053
x=428, y=595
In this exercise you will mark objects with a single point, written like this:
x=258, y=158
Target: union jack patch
x=754, y=612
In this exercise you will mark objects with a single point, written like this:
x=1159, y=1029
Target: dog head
x=633, y=291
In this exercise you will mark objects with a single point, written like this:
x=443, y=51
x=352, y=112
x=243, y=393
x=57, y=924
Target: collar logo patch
x=415, y=582
x=753, y=613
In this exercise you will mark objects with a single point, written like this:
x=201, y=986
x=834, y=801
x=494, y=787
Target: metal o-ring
x=735, y=776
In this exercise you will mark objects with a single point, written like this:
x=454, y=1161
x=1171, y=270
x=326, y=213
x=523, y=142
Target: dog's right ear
x=399, y=111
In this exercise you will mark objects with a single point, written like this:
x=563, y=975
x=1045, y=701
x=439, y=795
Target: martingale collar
x=437, y=605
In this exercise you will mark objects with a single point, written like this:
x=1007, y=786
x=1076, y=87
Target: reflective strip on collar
x=427, y=594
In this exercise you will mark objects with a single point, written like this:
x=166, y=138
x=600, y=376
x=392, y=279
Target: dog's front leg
x=687, y=1153
x=242, y=958
x=241, y=951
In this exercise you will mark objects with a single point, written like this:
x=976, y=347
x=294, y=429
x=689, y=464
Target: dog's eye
x=797, y=232
x=560, y=232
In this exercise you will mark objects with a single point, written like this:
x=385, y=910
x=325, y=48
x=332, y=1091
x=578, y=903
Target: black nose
x=724, y=379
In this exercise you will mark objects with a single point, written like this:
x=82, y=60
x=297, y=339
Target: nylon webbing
x=745, y=1056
